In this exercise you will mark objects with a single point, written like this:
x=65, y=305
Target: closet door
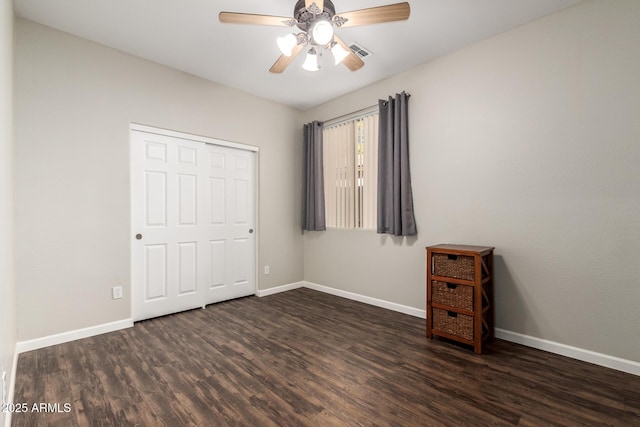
x=178, y=263
x=231, y=221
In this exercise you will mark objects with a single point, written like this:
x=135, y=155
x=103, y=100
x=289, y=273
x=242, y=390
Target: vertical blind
x=351, y=173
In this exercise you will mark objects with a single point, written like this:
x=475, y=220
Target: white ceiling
x=186, y=35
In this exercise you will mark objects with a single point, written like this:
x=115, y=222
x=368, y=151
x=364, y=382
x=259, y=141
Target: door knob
x=138, y=236
x=250, y=230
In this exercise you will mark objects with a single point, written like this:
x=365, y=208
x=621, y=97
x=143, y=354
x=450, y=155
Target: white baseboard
x=12, y=386
x=34, y=344
x=600, y=359
x=278, y=289
x=368, y=300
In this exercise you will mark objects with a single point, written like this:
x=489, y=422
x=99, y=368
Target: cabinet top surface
x=466, y=249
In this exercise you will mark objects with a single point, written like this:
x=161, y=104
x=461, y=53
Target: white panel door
x=177, y=263
x=231, y=219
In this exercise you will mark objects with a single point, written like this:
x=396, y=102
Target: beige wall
x=7, y=278
x=74, y=103
x=529, y=142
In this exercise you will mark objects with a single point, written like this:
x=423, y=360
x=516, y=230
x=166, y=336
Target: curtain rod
x=403, y=93
x=356, y=114
x=365, y=111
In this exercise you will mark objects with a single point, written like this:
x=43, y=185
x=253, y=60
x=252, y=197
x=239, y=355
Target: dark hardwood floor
x=304, y=358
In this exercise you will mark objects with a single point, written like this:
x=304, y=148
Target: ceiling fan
x=317, y=19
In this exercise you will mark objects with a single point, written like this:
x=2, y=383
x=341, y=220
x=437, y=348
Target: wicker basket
x=458, y=266
x=452, y=295
x=453, y=323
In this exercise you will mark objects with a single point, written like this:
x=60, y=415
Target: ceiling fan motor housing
x=306, y=18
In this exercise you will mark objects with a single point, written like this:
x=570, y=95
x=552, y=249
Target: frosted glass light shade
x=322, y=32
x=311, y=61
x=286, y=44
x=338, y=53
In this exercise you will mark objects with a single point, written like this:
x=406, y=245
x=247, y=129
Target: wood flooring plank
x=304, y=358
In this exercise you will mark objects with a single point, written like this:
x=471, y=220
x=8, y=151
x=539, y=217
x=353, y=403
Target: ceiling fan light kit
x=339, y=53
x=311, y=61
x=321, y=32
x=287, y=43
x=317, y=19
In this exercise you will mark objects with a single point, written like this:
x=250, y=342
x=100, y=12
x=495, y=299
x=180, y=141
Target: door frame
x=207, y=140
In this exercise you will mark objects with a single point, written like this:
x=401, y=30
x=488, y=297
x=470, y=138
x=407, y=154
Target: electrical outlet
x=267, y=270
x=116, y=292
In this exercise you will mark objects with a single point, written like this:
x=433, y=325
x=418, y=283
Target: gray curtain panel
x=395, y=199
x=313, y=186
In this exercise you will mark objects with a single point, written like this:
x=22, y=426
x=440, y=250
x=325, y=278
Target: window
x=351, y=172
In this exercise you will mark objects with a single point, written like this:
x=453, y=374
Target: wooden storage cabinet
x=460, y=293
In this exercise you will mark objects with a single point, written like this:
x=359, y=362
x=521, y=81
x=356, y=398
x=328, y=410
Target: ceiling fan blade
x=376, y=15
x=319, y=3
x=248, y=18
x=352, y=61
x=283, y=62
